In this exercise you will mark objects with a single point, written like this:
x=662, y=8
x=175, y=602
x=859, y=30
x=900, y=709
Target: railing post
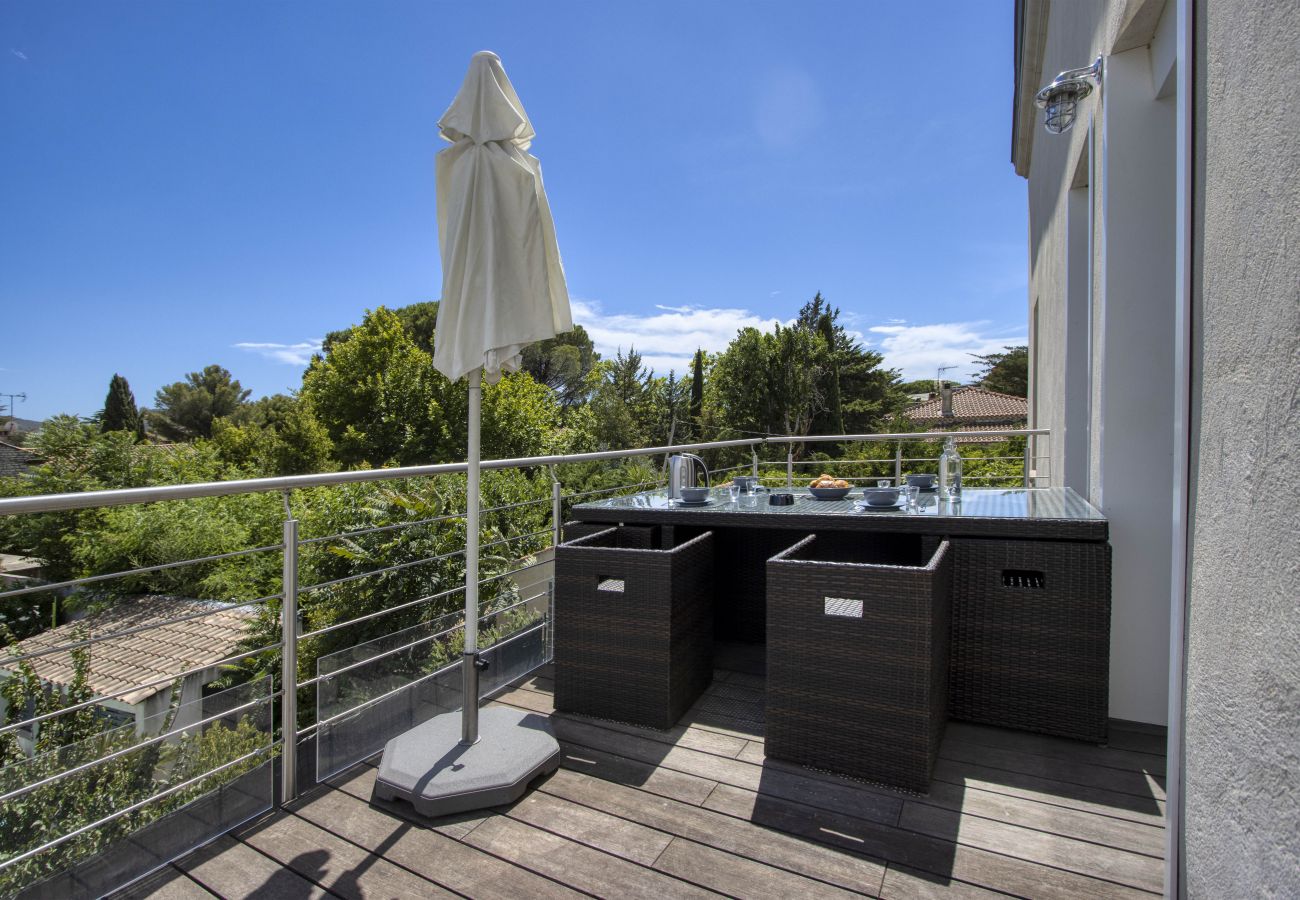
x=557, y=512
x=1029, y=457
x=289, y=663
x=753, y=469
x=789, y=465
x=898, y=462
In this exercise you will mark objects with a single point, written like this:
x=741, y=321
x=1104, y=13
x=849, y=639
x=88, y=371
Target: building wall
x=1242, y=703
x=1101, y=216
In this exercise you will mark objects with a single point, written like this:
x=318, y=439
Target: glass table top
x=975, y=503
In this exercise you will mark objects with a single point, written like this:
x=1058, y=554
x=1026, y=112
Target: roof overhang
x=1031, y=36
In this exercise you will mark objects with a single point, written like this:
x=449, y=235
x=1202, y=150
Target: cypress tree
x=697, y=392
x=120, y=412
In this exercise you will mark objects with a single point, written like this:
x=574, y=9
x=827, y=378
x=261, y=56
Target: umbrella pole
x=469, y=659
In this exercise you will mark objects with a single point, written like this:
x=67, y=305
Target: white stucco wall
x=1242, y=706
x=1111, y=248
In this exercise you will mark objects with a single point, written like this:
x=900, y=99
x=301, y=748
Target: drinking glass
x=733, y=489
x=884, y=482
x=911, y=493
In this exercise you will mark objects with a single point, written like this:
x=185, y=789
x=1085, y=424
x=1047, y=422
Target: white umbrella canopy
x=502, y=282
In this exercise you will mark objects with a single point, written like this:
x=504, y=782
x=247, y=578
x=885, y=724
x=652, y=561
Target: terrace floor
x=698, y=810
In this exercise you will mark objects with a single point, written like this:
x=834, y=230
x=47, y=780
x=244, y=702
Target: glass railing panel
x=86, y=818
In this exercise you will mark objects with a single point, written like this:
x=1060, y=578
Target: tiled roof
x=15, y=460
x=971, y=405
x=119, y=666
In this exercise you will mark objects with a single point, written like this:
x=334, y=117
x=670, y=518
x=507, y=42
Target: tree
x=185, y=410
x=562, y=364
x=381, y=401
x=622, y=402
x=120, y=412
x=276, y=435
x=767, y=382
x=697, y=394
x=859, y=395
x=1006, y=372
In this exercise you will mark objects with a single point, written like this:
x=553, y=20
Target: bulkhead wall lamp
x=1060, y=99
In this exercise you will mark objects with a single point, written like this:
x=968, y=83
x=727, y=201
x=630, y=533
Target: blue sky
x=188, y=183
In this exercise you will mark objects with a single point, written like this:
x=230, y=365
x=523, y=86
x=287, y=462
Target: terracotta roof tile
x=971, y=405
x=119, y=666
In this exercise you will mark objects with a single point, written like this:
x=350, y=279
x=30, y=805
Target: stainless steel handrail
x=10, y=506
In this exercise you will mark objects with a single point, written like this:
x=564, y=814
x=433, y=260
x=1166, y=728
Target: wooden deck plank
x=725, y=833
x=168, y=883
x=1065, y=770
x=697, y=808
x=344, y=868
x=360, y=783
x=902, y=883
x=845, y=797
x=1093, y=860
x=231, y=869
x=617, y=836
x=1071, y=823
x=621, y=770
x=575, y=864
x=1131, y=807
x=1140, y=742
x=433, y=856
x=1090, y=825
x=1054, y=747
x=738, y=877
x=943, y=859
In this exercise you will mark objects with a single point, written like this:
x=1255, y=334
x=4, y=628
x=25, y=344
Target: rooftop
x=698, y=809
x=122, y=665
x=972, y=404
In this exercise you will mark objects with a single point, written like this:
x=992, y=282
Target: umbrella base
x=429, y=768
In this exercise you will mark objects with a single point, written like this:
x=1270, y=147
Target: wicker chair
x=857, y=656
x=633, y=626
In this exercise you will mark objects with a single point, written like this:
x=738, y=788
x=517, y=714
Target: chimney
x=945, y=409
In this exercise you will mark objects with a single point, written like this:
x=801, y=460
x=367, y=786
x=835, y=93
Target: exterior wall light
x=1060, y=99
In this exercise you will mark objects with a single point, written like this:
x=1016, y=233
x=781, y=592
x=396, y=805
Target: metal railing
x=292, y=544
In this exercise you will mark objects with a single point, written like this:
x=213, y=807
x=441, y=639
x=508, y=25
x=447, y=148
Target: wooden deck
x=698, y=810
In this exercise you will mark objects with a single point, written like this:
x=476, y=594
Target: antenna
x=938, y=380
x=21, y=396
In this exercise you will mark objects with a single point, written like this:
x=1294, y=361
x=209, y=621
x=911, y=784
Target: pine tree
x=120, y=412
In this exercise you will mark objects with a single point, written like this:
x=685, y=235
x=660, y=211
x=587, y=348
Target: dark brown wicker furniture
x=1031, y=635
x=857, y=646
x=633, y=626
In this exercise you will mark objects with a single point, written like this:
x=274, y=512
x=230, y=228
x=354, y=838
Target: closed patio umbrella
x=502, y=289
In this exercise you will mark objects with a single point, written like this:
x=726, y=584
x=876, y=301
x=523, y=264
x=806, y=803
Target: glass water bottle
x=950, y=470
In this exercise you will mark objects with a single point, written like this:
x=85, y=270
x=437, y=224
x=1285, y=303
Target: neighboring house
x=1164, y=342
x=124, y=668
x=15, y=460
x=970, y=409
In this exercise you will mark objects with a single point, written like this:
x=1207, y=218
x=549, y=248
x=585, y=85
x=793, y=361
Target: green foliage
x=120, y=412
x=622, y=402
x=768, y=382
x=1006, y=372
x=77, y=737
x=276, y=435
x=563, y=364
x=697, y=395
x=185, y=410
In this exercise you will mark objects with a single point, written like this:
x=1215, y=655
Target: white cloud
x=668, y=338
x=291, y=354
x=919, y=350
x=18, y=53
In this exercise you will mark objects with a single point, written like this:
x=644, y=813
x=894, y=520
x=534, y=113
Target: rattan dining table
x=1012, y=588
